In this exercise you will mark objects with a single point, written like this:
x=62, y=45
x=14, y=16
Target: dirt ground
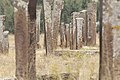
x=83, y=66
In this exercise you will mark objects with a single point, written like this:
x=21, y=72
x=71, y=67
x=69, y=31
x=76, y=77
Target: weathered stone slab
x=115, y=21
x=79, y=32
x=106, y=56
x=48, y=25
x=74, y=16
x=32, y=4
x=2, y=19
x=25, y=39
x=5, y=42
x=21, y=40
x=56, y=15
x=83, y=14
x=38, y=13
x=70, y=35
x=67, y=35
x=116, y=54
x=91, y=15
x=62, y=35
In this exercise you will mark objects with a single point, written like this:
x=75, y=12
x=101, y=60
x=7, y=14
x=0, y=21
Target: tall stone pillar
x=67, y=35
x=5, y=42
x=70, y=24
x=106, y=57
x=115, y=21
x=79, y=31
x=21, y=39
x=74, y=16
x=32, y=39
x=116, y=52
x=25, y=39
x=38, y=12
x=83, y=14
x=48, y=25
x=62, y=35
x=56, y=15
x=91, y=14
x=2, y=18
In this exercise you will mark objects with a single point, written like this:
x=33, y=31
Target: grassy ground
x=85, y=65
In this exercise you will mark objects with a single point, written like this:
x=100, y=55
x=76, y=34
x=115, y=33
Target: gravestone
x=116, y=52
x=25, y=39
x=62, y=35
x=21, y=40
x=91, y=17
x=2, y=19
x=79, y=34
x=115, y=22
x=48, y=26
x=69, y=76
x=38, y=12
x=5, y=42
x=67, y=35
x=56, y=15
x=83, y=14
x=70, y=24
x=74, y=16
x=106, y=56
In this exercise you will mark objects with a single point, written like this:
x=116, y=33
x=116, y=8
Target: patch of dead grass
x=85, y=65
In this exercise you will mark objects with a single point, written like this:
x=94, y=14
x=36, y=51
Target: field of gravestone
x=63, y=64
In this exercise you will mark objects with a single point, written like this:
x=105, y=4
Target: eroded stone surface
x=48, y=26
x=38, y=13
x=91, y=16
x=5, y=42
x=62, y=35
x=2, y=18
x=106, y=62
x=83, y=14
x=115, y=22
x=79, y=30
x=67, y=35
x=25, y=39
x=56, y=15
x=70, y=24
x=74, y=16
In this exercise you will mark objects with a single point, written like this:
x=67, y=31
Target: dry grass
x=86, y=65
x=7, y=62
